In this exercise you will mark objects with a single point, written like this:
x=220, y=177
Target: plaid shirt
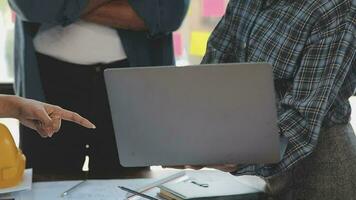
x=311, y=45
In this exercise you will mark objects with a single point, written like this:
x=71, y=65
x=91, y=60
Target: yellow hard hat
x=12, y=161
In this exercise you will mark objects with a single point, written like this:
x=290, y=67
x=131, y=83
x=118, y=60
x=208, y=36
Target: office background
x=189, y=44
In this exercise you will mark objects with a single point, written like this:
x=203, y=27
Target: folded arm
x=61, y=12
x=117, y=14
x=155, y=16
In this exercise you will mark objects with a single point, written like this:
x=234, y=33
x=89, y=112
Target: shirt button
x=244, y=45
x=87, y=146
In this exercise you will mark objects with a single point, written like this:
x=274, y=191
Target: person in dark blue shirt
x=62, y=48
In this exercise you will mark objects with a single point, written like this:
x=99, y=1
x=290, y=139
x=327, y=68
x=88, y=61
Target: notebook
x=220, y=186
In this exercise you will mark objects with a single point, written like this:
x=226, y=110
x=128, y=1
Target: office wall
x=190, y=40
x=6, y=59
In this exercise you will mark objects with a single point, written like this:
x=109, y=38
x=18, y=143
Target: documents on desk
x=209, y=185
x=24, y=185
x=219, y=184
x=90, y=190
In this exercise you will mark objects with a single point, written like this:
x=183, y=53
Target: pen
x=85, y=169
x=137, y=193
x=158, y=183
x=72, y=188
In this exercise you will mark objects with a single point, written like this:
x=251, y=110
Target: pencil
x=137, y=193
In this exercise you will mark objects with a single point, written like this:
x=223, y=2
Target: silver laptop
x=204, y=114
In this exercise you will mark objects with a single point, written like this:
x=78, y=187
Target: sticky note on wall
x=178, y=44
x=213, y=8
x=198, y=43
x=13, y=16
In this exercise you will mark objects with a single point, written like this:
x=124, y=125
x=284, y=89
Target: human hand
x=45, y=118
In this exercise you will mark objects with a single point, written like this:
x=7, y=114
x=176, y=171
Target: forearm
x=92, y=5
x=54, y=12
x=9, y=106
x=116, y=14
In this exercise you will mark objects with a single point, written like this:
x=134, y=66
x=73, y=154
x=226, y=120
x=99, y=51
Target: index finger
x=76, y=118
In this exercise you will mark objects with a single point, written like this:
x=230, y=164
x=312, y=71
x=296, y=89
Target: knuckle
x=38, y=111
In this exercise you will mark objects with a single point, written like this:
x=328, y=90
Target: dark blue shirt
x=143, y=48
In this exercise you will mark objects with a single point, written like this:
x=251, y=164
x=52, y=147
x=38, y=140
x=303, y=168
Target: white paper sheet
x=24, y=185
x=218, y=184
x=107, y=189
x=90, y=190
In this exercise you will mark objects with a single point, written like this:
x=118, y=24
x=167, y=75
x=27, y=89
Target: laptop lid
x=204, y=114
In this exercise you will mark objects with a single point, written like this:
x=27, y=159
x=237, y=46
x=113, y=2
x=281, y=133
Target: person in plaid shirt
x=311, y=45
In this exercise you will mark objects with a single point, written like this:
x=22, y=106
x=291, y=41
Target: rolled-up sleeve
x=61, y=12
x=161, y=16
